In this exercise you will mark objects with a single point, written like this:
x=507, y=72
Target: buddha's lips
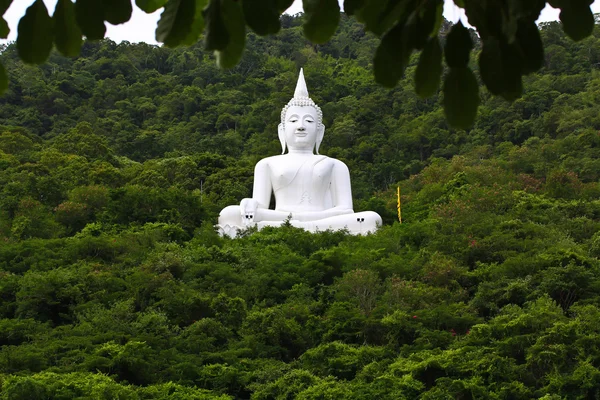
x=300, y=133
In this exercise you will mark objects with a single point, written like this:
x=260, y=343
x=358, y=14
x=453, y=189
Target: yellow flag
x=399, y=207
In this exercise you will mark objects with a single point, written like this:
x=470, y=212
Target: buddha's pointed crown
x=301, y=99
x=301, y=89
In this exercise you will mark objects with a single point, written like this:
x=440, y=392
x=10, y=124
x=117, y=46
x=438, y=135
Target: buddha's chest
x=312, y=174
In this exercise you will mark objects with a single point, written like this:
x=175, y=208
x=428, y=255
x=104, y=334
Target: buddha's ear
x=281, y=134
x=320, y=135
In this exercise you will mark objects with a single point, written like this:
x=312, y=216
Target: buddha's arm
x=264, y=214
x=341, y=190
x=317, y=215
x=261, y=193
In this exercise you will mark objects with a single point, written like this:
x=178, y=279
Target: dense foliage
x=113, y=283
x=511, y=45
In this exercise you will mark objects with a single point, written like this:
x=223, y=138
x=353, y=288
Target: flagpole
x=399, y=206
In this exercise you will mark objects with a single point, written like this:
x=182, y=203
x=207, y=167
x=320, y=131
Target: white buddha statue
x=312, y=191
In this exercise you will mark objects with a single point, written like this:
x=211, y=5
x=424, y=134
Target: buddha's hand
x=248, y=209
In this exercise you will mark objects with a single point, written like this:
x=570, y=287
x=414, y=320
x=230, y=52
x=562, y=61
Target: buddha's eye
x=310, y=121
x=294, y=120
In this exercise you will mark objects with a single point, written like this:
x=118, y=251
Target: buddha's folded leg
x=231, y=215
x=230, y=220
x=263, y=224
x=356, y=223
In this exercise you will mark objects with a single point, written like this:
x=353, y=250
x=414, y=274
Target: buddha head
x=301, y=124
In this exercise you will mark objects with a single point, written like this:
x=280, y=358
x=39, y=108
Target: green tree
x=511, y=47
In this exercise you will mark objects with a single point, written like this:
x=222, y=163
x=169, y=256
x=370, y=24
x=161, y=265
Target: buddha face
x=301, y=127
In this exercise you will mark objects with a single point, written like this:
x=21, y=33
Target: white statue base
x=361, y=223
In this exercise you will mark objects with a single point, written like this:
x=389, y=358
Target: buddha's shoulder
x=269, y=160
x=336, y=161
x=285, y=159
x=273, y=158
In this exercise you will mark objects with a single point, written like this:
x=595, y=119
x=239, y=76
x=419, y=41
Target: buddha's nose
x=301, y=129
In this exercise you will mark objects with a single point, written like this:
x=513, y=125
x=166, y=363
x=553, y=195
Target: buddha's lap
x=232, y=216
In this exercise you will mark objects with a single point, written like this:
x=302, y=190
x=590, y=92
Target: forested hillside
x=114, y=285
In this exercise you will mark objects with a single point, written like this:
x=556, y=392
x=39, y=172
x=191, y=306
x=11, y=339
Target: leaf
x=531, y=47
x=117, y=11
x=149, y=6
x=510, y=82
x=175, y=22
x=526, y=10
x=4, y=4
x=429, y=69
x=234, y=20
x=322, y=18
x=578, y=21
x=513, y=89
x=351, y=6
x=461, y=97
x=262, y=16
x=458, y=46
x=283, y=5
x=391, y=57
x=4, y=28
x=490, y=65
x=89, y=15
x=3, y=79
x=424, y=25
x=217, y=36
x=439, y=18
x=500, y=68
x=395, y=12
x=566, y=3
x=370, y=14
x=67, y=35
x=35, y=34
x=197, y=25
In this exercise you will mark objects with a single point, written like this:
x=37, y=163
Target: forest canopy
x=510, y=46
x=113, y=283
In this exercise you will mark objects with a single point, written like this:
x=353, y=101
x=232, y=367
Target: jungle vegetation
x=510, y=42
x=114, y=284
